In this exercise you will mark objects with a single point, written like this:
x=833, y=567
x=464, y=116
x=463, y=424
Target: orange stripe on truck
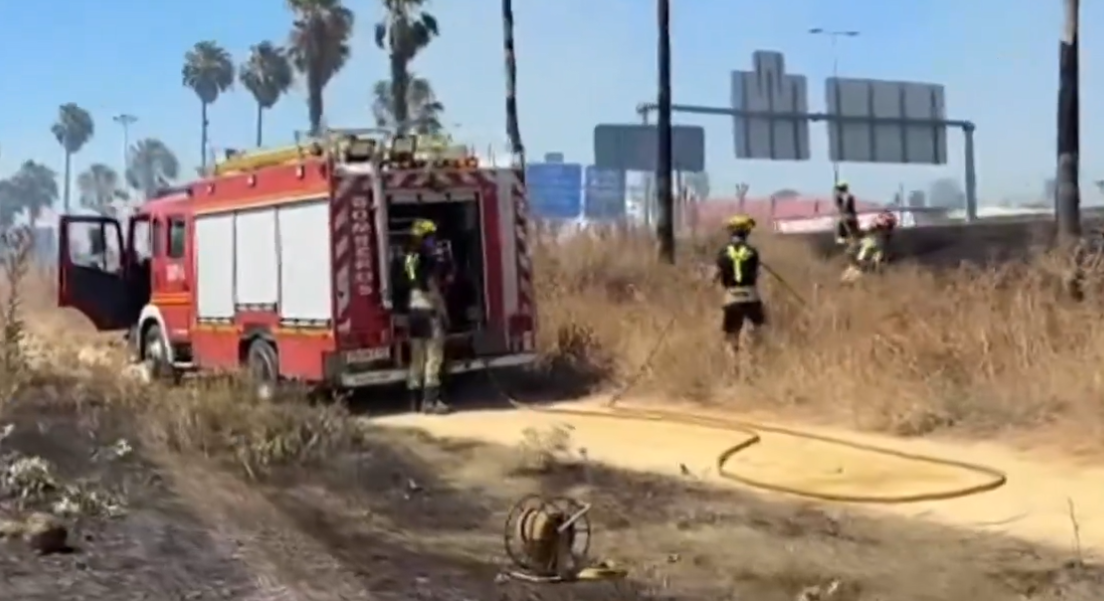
x=173, y=299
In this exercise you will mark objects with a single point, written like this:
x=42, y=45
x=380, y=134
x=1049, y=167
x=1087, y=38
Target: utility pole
x=1067, y=198
x=665, y=228
x=125, y=120
x=833, y=36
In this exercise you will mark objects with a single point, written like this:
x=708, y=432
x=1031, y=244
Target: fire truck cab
x=287, y=263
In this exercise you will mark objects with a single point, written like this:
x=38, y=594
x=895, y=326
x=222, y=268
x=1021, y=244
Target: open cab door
x=92, y=273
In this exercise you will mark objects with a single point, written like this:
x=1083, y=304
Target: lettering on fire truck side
x=364, y=276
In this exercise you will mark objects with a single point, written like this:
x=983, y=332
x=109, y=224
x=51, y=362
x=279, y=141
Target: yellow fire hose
x=991, y=478
x=750, y=433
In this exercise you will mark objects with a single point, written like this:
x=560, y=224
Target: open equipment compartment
x=460, y=239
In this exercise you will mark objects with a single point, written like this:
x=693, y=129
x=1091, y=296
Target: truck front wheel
x=155, y=355
x=264, y=368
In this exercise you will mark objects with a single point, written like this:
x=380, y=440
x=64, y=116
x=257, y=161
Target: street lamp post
x=833, y=36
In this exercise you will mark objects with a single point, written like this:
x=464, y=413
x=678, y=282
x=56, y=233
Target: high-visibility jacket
x=422, y=270
x=870, y=251
x=738, y=271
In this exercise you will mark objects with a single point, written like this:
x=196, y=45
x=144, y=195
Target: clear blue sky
x=581, y=62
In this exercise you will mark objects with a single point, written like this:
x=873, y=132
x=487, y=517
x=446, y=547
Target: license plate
x=368, y=355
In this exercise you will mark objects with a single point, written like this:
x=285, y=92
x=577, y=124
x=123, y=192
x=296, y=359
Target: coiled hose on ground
x=750, y=435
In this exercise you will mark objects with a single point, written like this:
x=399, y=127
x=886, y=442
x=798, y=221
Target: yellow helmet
x=740, y=224
x=423, y=228
x=842, y=186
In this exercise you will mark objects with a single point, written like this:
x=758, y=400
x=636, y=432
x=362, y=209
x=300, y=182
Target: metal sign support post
x=649, y=179
x=967, y=127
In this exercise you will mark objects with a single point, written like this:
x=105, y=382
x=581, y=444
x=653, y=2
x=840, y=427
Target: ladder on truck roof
x=345, y=145
x=335, y=143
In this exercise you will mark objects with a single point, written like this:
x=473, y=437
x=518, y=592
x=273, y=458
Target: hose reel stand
x=548, y=540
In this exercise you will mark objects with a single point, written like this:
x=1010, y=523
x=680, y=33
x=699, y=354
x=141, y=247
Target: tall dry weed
x=16, y=245
x=911, y=351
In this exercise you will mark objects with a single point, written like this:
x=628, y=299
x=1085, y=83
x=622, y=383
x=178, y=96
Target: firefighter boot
x=415, y=398
x=851, y=275
x=431, y=402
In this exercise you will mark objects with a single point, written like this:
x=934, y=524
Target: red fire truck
x=287, y=263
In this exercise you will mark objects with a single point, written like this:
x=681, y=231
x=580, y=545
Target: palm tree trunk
x=665, y=228
x=314, y=101
x=67, y=185
x=260, y=125
x=400, y=83
x=513, y=128
x=203, y=136
x=1068, y=191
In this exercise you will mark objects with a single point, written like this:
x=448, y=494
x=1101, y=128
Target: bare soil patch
x=444, y=502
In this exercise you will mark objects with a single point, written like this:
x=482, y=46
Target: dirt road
x=1034, y=504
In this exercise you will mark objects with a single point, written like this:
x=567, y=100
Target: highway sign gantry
x=632, y=147
x=899, y=122
x=779, y=131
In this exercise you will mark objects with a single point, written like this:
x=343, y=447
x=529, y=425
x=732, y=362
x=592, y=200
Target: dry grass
x=911, y=352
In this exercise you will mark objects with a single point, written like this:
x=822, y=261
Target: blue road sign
x=555, y=190
x=604, y=190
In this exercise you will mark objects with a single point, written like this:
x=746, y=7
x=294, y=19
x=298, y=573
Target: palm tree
x=209, y=71
x=35, y=187
x=267, y=75
x=319, y=47
x=73, y=129
x=513, y=128
x=99, y=187
x=404, y=31
x=152, y=166
x=10, y=202
x=425, y=109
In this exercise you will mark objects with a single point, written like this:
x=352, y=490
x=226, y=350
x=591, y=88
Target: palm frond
x=267, y=74
x=74, y=127
x=425, y=110
x=208, y=70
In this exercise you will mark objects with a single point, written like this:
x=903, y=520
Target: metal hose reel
x=548, y=539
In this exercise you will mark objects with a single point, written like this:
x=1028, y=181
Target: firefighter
x=847, y=222
x=738, y=272
x=426, y=273
x=869, y=255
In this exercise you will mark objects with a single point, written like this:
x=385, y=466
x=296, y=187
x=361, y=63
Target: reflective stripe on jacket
x=744, y=272
x=424, y=293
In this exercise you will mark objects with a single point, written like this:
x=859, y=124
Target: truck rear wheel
x=264, y=368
